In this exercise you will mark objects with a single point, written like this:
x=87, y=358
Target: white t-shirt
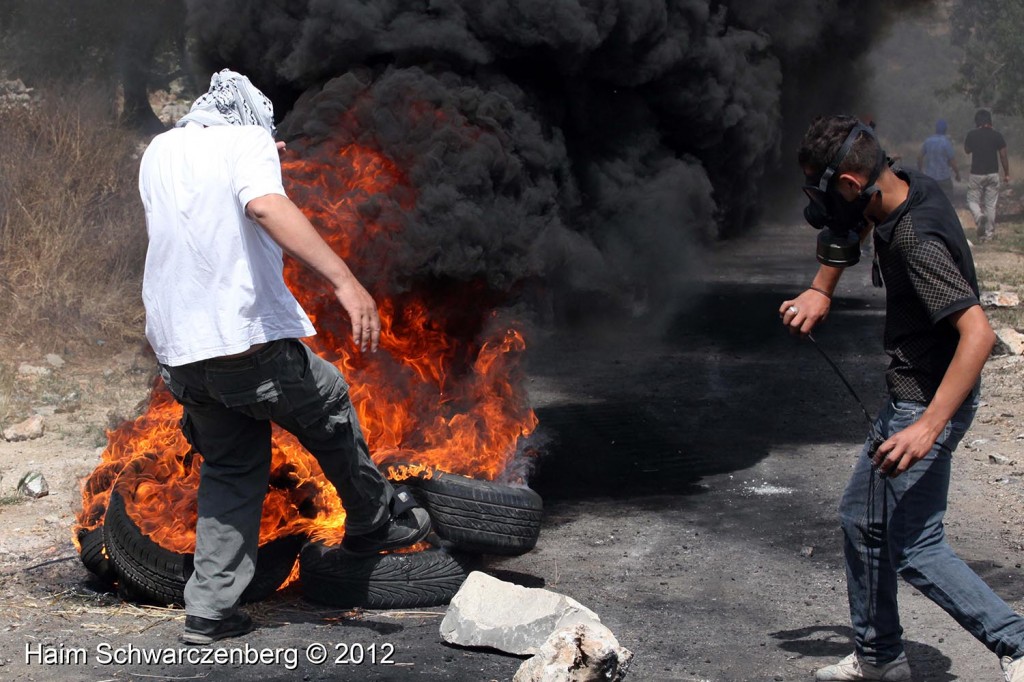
x=213, y=283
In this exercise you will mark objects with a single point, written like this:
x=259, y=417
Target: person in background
x=226, y=329
x=938, y=159
x=987, y=149
x=938, y=338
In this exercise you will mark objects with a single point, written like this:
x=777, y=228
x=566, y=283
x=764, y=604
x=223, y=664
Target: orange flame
x=428, y=399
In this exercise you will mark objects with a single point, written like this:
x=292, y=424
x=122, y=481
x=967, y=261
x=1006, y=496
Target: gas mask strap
x=880, y=163
x=844, y=149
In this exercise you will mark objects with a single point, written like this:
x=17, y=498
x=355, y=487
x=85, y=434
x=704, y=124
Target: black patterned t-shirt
x=928, y=271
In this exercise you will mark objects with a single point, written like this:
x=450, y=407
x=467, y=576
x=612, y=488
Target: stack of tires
x=119, y=554
x=470, y=518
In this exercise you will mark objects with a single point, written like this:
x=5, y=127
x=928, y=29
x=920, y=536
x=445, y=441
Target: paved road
x=695, y=478
x=690, y=485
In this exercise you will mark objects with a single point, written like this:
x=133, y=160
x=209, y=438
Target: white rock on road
x=508, y=617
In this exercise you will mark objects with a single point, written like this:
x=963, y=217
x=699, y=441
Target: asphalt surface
x=690, y=481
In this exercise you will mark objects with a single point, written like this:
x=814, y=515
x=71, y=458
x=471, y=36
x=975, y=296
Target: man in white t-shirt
x=225, y=330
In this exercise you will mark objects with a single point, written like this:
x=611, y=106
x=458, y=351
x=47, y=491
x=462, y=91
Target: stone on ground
x=488, y=612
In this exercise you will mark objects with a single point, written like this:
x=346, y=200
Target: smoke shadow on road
x=722, y=388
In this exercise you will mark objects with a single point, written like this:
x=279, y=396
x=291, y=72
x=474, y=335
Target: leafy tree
x=989, y=31
x=132, y=43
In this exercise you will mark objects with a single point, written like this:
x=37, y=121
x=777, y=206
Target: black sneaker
x=199, y=630
x=409, y=524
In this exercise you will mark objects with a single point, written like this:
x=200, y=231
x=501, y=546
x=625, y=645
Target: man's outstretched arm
x=293, y=232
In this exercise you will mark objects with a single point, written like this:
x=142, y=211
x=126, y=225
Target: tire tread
x=480, y=516
x=384, y=581
x=145, y=571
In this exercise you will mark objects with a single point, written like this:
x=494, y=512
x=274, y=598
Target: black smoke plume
x=582, y=147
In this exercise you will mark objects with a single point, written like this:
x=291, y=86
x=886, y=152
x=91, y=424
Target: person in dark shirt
x=938, y=338
x=987, y=149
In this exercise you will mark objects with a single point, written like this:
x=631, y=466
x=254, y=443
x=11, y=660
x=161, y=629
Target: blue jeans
x=893, y=527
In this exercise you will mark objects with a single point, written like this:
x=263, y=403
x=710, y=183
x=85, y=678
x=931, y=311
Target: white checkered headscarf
x=231, y=100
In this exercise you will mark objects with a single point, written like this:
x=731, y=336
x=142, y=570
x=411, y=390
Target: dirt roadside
x=689, y=486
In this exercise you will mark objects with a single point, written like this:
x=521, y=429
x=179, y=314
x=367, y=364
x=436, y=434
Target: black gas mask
x=841, y=222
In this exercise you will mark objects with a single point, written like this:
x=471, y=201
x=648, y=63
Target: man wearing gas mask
x=938, y=339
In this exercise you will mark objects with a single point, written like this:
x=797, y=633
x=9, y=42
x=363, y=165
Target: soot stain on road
x=716, y=392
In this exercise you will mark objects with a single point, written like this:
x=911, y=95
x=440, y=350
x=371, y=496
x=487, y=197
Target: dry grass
x=1000, y=267
x=6, y=390
x=72, y=231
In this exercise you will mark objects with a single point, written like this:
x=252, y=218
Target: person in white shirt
x=225, y=330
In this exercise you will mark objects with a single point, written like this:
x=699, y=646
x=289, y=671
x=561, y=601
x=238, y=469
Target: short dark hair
x=826, y=135
x=983, y=117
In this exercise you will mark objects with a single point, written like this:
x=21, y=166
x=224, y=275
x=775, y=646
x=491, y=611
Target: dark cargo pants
x=229, y=406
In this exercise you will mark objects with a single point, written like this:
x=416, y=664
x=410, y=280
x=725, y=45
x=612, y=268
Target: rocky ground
x=690, y=483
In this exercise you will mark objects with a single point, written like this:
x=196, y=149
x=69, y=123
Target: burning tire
x=94, y=556
x=332, y=576
x=145, y=571
x=480, y=517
